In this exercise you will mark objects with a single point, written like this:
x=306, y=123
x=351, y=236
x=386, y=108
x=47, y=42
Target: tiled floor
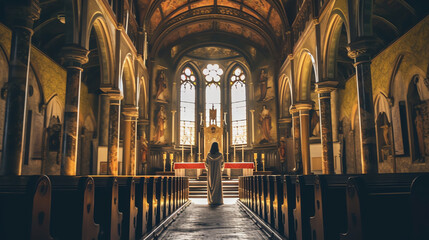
x=200, y=221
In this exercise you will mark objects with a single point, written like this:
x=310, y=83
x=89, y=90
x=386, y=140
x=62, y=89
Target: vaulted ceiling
x=260, y=23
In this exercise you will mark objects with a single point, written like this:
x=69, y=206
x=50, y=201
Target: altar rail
x=343, y=207
x=179, y=168
x=91, y=207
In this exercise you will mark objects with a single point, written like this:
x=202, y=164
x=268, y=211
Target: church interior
x=108, y=110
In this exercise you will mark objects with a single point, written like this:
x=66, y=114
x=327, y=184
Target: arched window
x=187, y=107
x=213, y=75
x=238, y=107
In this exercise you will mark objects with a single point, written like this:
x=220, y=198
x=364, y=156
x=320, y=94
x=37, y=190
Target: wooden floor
x=201, y=221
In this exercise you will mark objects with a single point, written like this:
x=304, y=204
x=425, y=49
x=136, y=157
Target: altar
x=180, y=168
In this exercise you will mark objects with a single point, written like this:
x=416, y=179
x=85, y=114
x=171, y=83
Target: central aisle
x=200, y=221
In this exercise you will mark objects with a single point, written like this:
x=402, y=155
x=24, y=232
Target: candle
x=255, y=156
x=263, y=155
x=164, y=156
x=199, y=143
x=171, y=161
x=183, y=153
x=227, y=139
x=234, y=153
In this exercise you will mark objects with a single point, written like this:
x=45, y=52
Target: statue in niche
x=161, y=86
x=315, y=124
x=265, y=121
x=212, y=114
x=282, y=149
x=161, y=120
x=385, y=130
x=418, y=124
x=263, y=85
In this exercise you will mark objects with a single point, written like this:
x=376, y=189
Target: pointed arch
x=306, y=70
x=128, y=83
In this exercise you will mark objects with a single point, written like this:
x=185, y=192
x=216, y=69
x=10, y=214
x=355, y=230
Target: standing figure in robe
x=161, y=86
x=161, y=119
x=263, y=81
x=265, y=121
x=214, y=166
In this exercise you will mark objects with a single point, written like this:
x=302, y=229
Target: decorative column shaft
x=304, y=117
x=22, y=18
x=73, y=57
x=296, y=139
x=324, y=89
x=360, y=52
x=129, y=152
x=114, y=120
x=104, y=106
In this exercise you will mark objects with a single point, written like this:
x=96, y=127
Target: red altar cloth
x=200, y=165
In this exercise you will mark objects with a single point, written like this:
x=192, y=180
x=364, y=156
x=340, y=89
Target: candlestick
x=171, y=161
x=183, y=153
x=242, y=153
x=255, y=158
x=234, y=153
x=164, y=158
x=199, y=144
x=263, y=161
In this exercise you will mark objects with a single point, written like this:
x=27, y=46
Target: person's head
x=215, y=148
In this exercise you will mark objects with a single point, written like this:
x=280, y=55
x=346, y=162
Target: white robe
x=214, y=166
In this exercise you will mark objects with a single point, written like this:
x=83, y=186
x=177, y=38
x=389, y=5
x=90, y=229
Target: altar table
x=247, y=167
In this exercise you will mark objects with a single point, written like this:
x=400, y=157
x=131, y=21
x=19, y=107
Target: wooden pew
x=419, y=200
x=330, y=216
x=171, y=195
x=143, y=206
x=25, y=205
x=288, y=206
x=165, y=193
x=72, y=209
x=153, y=202
x=380, y=206
x=107, y=212
x=254, y=194
x=304, y=206
x=160, y=199
x=267, y=199
x=127, y=205
x=261, y=197
x=277, y=202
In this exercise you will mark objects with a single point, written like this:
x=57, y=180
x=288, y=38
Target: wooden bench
x=25, y=207
x=289, y=202
x=72, y=208
x=277, y=202
x=304, y=206
x=160, y=199
x=143, y=206
x=382, y=206
x=127, y=205
x=107, y=212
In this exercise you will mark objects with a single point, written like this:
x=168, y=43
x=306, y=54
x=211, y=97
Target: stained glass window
x=187, y=107
x=238, y=107
x=213, y=75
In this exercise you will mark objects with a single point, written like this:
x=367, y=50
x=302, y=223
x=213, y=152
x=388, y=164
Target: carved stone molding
x=326, y=86
x=74, y=54
x=363, y=47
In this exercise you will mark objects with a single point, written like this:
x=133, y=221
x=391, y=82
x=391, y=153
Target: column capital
x=292, y=109
x=23, y=14
x=304, y=105
x=326, y=86
x=285, y=120
x=114, y=94
x=130, y=111
x=362, y=47
x=74, y=54
x=144, y=122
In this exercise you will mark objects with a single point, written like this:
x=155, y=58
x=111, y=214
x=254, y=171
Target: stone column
x=103, y=122
x=324, y=89
x=129, y=152
x=334, y=114
x=114, y=121
x=304, y=117
x=296, y=139
x=73, y=56
x=21, y=17
x=360, y=51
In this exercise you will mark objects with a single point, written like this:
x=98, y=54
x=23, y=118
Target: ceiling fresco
x=260, y=21
x=213, y=53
